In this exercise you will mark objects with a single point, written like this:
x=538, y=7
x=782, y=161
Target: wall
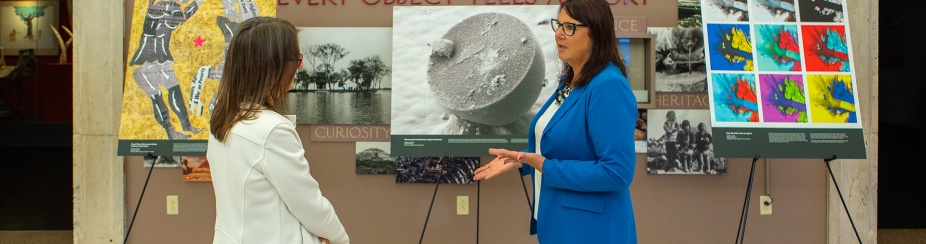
x=669, y=209
x=374, y=209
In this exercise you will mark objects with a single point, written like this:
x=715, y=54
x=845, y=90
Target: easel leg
x=432, y=203
x=745, y=212
x=153, y=159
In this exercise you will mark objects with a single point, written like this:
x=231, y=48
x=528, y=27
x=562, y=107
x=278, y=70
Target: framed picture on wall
x=373, y=158
x=27, y=25
x=163, y=161
x=195, y=168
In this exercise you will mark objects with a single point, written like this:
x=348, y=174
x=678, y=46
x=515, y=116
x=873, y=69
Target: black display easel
x=478, y=191
x=741, y=229
x=143, y=188
x=827, y=161
x=433, y=196
x=745, y=212
x=526, y=196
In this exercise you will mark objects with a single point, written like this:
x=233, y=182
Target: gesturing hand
x=497, y=166
x=532, y=159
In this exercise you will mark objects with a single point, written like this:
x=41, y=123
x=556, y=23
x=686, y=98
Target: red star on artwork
x=198, y=42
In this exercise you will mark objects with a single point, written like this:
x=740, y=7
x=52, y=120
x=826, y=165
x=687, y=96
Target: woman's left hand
x=498, y=166
x=532, y=159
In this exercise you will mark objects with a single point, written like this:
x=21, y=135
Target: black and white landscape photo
x=346, y=76
x=373, y=158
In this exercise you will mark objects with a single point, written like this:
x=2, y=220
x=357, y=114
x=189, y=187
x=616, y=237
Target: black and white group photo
x=681, y=142
x=345, y=77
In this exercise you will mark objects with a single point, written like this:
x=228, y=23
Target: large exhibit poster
x=174, y=63
x=781, y=79
x=467, y=78
x=346, y=76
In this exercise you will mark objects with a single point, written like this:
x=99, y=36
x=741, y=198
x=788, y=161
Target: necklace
x=561, y=94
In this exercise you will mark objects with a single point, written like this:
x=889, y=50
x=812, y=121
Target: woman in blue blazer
x=580, y=151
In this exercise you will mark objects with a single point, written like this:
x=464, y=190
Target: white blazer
x=263, y=190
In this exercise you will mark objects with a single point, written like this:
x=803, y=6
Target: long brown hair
x=260, y=64
x=597, y=15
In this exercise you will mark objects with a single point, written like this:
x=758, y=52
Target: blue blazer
x=590, y=160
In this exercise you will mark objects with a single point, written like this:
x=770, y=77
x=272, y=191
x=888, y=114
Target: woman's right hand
x=497, y=166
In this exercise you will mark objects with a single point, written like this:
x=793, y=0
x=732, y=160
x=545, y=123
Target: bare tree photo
x=345, y=77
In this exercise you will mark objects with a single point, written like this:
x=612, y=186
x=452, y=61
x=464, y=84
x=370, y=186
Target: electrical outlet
x=173, y=205
x=765, y=205
x=462, y=205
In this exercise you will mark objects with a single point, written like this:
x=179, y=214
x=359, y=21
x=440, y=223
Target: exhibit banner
x=469, y=78
x=173, y=68
x=781, y=79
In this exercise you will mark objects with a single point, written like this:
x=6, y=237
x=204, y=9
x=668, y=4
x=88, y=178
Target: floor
x=891, y=236
x=37, y=236
x=885, y=236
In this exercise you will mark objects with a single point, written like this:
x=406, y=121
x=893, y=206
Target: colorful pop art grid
x=791, y=67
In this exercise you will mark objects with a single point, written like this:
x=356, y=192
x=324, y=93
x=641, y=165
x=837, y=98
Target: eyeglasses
x=569, y=28
x=299, y=60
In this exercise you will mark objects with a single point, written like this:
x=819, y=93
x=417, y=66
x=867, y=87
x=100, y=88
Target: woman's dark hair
x=596, y=14
x=260, y=64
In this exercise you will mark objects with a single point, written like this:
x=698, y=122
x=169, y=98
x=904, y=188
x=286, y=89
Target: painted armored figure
x=156, y=63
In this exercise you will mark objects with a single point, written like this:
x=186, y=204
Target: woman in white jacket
x=264, y=192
